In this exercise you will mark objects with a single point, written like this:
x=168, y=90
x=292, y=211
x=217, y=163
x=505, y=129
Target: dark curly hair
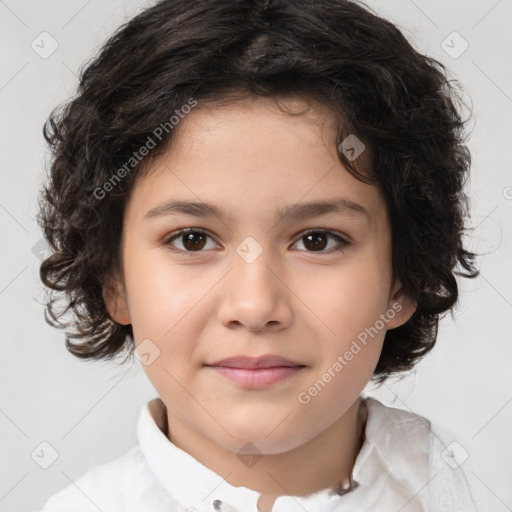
x=398, y=102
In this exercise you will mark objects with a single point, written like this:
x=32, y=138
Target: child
x=264, y=201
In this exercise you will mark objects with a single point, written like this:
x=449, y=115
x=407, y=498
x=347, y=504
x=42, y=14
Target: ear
x=401, y=304
x=115, y=297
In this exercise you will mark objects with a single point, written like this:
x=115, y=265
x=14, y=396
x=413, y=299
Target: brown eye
x=191, y=240
x=317, y=241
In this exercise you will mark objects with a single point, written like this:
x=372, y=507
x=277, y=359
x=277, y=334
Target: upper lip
x=267, y=361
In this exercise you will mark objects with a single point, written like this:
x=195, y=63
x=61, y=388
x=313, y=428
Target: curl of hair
x=338, y=53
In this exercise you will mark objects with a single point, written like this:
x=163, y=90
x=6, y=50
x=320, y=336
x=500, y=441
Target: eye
x=195, y=240
x=316, y=241
x=190, y=239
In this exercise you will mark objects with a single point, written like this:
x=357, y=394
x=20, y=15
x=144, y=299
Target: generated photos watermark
x=151, y=142
x=342, y=361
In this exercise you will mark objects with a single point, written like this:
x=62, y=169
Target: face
x=259, y=273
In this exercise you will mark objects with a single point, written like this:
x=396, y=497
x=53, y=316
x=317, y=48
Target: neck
x=329, y=459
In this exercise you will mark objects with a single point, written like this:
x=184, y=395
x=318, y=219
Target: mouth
x=256, y=372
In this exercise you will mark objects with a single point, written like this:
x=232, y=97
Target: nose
x=255, y=295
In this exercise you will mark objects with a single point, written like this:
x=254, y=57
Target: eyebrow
x=297, y=211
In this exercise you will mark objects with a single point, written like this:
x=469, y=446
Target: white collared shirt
x=402, y=466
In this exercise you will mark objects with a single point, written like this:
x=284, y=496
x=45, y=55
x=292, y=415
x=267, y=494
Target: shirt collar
x=395, y=446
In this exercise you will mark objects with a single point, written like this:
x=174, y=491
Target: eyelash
x=343, y=243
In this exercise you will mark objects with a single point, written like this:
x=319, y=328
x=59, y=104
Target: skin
x=307, y=305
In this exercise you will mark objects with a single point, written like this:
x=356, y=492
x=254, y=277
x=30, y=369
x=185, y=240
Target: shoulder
x=111, y=487
x=449, y=485
x=398, y=440
x=423, y=454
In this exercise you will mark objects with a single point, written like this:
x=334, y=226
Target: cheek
x=353, y=301
x=166, y=313
x=161, y=296
x=351, y=308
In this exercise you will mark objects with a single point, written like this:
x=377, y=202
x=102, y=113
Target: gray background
x=88, y=411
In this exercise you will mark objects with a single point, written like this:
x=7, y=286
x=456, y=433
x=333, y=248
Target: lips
x=256, y=372
x=252, y=363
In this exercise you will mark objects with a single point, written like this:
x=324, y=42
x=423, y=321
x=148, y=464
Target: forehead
x=250, y=156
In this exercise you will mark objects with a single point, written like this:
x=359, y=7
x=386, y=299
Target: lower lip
x=258, y=377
